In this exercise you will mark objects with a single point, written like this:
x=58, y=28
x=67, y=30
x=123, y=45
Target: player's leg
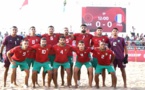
x=47, y=68
x=115, y=64
x=111, y=70
x=66, y=66
x=97, y=80
x=122, y=68
x=34, y=76
x=90, y=72
x=71, y=67
x=51, y=59
x=77, y=68
x=55, y=70
x=62, y=75
x=13, y=75
x=98, y=70
x=35, y=71
x=124, y=76
x=26, y=77
x=103, y=77
x=43, y=77
x=24, y=67
x=6, y=65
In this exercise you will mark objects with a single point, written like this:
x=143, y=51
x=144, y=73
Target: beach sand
x=135, y=79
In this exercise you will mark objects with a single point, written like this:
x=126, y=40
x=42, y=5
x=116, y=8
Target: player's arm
x=1, y=51
x=9, y=56
x=125, y=50
x=112, y=57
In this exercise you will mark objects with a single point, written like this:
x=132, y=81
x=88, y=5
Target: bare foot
x=76, y=86
x=104, y=85
x=33, y=87
x=97, y=86
x=38, y=84
x=4, y=84
x=56, y=86
x=62, y=84
x=125, y=86
x=15, y=84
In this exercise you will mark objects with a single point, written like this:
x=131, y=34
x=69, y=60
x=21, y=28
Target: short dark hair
x=83, y=25
x=81, y=41
x=50, y=26
x=115, y=29
x=62, y=36
x=14, y=27
x=65, y=28
x=43, y=38
x=32, y=27
x=99, y=28
x=24, y=40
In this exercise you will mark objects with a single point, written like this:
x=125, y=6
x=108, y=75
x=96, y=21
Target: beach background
x=135, y=79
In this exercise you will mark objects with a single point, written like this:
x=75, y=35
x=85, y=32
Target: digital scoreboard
x=105, y=17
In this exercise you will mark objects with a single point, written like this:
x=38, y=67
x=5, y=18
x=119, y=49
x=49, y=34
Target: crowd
x=52, y=50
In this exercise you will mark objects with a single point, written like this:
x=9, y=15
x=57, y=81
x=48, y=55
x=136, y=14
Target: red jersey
x=104, y=57
x=61, y=53
x=19, y=54
x=32, y=41
x=96, y=40
x=82, y=56
x=42, y=53
x=69, y=41
x=85, y=37
x=52, y=40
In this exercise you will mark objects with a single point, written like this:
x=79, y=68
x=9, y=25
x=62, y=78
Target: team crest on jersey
x=106, y=54
x=10, y=40
x=85, y=52
x=39, y=49
x=103, y=39
x=36, y=39
x=118, y=40
x=18, y=39
x=47, y=49
x=65, y=49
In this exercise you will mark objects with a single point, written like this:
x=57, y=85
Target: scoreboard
x=105, y=17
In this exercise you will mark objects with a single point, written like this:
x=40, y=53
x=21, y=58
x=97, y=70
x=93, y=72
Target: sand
x=135, y=79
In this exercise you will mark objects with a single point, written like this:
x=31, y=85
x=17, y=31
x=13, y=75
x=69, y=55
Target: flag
x=24, y=3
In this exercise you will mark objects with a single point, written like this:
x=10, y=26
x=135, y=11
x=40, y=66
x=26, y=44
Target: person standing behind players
x=52, y=39
x=105, y=61
x=86, y=37
x=83, y=59
x=18, y=59
x=95, y=43
x=61, y=51
x=117, y=44
x=33, y=39
x=69, y=41
x=42, y=51
x=9, y=42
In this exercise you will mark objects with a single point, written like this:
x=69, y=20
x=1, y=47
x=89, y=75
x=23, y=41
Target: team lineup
x=53, y=50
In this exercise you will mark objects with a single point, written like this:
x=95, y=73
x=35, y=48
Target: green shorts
x=46, y=66
x=79, y=64
x=100, y=68
x=70, y=59
x=23, y=65
x=30, y=61
x=51, y=59
x=94, y=62
x=65, y=65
